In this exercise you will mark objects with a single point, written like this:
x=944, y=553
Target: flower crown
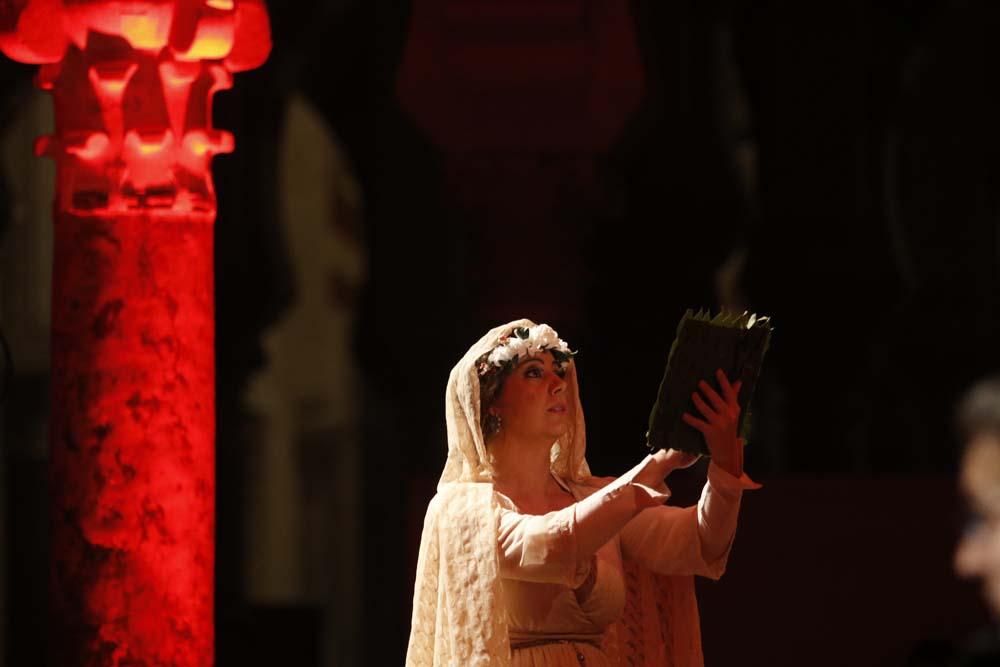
x=526, y=342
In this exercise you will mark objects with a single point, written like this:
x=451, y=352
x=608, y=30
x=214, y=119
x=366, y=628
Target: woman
x=527, y=559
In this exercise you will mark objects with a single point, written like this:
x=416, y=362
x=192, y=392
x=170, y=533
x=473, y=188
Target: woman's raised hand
x=674, y=459
x=720, y=422
x=662, y=463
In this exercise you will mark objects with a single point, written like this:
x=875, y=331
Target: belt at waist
x=529, y=642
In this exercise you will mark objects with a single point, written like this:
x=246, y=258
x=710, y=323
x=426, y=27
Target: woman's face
x=534, y=403
x=978, y=553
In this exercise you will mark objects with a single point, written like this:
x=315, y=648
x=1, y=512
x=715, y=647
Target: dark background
x=832, y=165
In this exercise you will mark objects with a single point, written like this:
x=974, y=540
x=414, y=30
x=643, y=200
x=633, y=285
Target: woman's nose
x=558, y=385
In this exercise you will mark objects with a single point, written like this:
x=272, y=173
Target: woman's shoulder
x=461, y=498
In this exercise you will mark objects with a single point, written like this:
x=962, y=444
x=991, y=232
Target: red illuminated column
x=133, y=397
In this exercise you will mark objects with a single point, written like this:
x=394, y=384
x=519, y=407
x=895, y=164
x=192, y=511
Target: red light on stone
x=95, y=147
x=132, y=432
x=146, y=31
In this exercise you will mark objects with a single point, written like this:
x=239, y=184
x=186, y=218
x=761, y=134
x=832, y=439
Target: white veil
x=468, y=460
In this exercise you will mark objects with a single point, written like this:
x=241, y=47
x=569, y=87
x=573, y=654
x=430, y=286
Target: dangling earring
x=493, y=424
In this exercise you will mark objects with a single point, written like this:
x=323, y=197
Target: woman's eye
x=533, y=372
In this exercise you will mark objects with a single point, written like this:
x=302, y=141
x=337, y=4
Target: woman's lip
x=557, y=408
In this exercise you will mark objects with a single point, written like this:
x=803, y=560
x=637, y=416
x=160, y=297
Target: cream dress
x=558, y=608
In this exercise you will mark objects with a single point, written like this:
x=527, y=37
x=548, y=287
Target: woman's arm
x=689, y=540
x=696, y=540
x=557, y=547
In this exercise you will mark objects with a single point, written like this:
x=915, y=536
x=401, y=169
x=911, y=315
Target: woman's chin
x=556, y=425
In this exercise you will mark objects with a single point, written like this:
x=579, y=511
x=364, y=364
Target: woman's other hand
x=662, y=463
x=678, y=460
x=720, y=422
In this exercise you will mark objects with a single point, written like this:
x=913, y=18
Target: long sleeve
x=689, y=540
x=557, y=547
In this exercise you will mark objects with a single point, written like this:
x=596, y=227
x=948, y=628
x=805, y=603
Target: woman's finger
x=707, y=412
x=718, y=404
x=729, y=391
x=696, y=423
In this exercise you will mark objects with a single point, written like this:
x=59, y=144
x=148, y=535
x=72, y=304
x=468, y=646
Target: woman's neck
x=522, y=470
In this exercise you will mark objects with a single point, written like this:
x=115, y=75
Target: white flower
x=520, y=346
x=501, y=355
x=540, y=338
x=539, y=335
